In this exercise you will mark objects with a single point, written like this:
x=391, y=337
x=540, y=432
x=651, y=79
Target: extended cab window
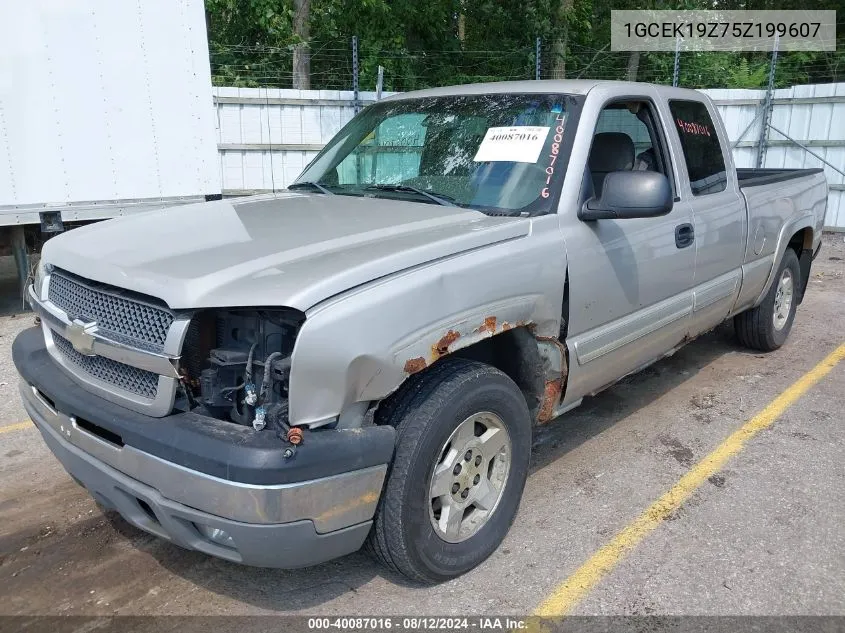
x=702, y=152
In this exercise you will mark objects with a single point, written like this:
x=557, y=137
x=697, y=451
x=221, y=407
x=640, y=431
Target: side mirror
x=630, y=194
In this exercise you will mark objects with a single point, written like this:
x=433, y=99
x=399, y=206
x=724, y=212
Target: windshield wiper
x=310, y=185
x=442, y=199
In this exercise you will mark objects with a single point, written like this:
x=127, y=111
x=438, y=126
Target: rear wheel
x=767, y=326
x=463, y=447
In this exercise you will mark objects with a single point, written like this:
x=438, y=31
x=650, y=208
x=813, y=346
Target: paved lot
x=766, y=535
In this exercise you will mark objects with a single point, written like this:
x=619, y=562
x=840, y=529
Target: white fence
x=812, y=116
x=267, y=136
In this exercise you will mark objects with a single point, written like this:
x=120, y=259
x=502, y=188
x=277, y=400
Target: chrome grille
x=138, y=381
x=119, y=315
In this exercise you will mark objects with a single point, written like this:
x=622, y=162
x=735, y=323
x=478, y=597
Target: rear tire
x=767, y=326
x=462, y=453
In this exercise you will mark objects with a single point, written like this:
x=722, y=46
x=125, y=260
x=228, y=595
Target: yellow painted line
x=566, y=595
x=15, y=427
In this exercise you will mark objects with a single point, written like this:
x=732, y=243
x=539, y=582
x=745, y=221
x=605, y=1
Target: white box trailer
x=105, y=109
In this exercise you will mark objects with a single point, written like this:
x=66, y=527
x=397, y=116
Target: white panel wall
x=815, y=117
x=267, y=136
x=298, y=122
x=103, y=100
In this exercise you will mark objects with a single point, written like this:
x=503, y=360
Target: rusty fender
x=552, y=354
x=555, y=369
x=463, y=336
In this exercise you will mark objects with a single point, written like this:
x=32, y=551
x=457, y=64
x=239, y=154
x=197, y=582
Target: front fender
x=361, y=345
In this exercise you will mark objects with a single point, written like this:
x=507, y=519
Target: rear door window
x=702, y=151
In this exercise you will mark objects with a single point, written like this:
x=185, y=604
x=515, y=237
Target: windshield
x=499, y=153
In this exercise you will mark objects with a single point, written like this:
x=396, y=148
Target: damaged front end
x=230, y=364
x=235, y=366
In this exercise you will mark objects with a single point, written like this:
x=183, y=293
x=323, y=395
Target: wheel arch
x=802, y=243
x=800, y=236
x=536, y=364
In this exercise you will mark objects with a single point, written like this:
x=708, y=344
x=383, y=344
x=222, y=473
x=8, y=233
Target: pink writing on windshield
x=555, y=150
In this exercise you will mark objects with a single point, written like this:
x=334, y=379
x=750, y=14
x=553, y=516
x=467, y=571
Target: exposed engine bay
x=236, y=365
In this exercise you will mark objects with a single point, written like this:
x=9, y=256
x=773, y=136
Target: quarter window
x=702, y=151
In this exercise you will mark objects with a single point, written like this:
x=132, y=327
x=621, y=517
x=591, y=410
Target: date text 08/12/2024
x=418, y=623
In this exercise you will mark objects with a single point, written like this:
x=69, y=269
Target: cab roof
x=542, y=86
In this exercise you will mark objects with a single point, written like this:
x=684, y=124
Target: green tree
x=306, y=43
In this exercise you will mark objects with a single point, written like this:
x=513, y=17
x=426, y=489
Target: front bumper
x=286, y=545
x=294, y=523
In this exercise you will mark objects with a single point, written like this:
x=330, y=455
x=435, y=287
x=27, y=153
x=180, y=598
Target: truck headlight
x=41, y=271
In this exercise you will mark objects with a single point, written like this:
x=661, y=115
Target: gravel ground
x=764, y=536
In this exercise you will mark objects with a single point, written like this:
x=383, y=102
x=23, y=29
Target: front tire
x=767, y=326
x=462, y=454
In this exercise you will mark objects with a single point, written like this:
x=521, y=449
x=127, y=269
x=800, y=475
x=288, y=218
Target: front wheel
x=462, y=454
x=767, y=326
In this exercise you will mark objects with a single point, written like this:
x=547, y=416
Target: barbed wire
x=331, y=66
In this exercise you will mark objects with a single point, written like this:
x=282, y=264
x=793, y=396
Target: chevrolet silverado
x=360, y=360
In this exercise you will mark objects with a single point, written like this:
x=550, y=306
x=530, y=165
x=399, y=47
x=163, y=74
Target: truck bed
x=752, y=177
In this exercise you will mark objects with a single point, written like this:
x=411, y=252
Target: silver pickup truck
x=281, y=379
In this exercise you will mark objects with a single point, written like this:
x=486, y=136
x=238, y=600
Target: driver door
x=630, y=280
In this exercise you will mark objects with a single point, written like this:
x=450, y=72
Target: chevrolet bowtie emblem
x=80, y=336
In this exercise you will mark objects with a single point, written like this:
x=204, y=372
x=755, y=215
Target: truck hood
x=286, y=249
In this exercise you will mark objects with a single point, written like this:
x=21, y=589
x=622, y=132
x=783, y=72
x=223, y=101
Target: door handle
x=684, y=235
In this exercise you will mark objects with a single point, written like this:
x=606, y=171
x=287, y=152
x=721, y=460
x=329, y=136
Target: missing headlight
x=237, y=361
